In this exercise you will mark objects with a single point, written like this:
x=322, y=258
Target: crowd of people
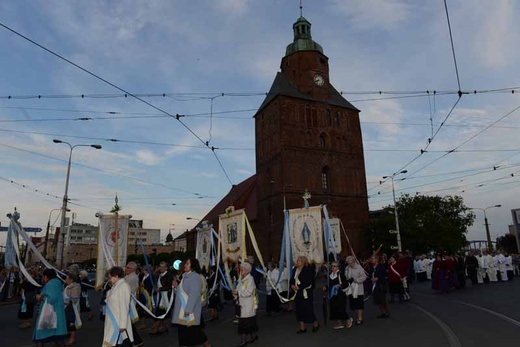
x=136, y=295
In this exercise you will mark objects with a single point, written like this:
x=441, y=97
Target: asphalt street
x=488, y=314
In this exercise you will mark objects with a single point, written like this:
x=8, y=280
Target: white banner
x=112, y=244
x=336, y=234
x=203, y=250
x=232, y=235
x=305, y=229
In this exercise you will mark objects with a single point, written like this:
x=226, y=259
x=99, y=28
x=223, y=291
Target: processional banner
x=10, y=253
x=305, y=229
x=112, y=244
x=336, y=235
x=231, y=229
x=203, y=250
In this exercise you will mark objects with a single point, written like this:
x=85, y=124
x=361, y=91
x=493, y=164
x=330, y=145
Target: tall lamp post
x=397, y=231
x=488, y=235
x=61, y=240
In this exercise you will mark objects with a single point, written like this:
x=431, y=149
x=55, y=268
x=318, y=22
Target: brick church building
x=308, y=137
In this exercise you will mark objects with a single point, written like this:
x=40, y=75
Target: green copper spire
x=302, y=38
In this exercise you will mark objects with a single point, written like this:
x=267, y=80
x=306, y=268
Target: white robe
x=492, y=270
x=247, y=297
x=480, y=271
x=118, y=303
x=501, y=265
x=428, y=265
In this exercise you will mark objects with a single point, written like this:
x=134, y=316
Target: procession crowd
x=136, y=296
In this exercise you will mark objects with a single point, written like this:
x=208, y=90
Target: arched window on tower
x=325, y=178
x=323, y=140
x=329, y=117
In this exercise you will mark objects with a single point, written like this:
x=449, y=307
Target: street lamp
x=397, y=231
x=60, y=250
x=488, y=235
x=190, y=218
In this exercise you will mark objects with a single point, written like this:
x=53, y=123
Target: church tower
x=308, y=137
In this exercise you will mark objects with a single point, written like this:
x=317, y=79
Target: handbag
x=70, y=315
x=48, y=318
x=126, y=342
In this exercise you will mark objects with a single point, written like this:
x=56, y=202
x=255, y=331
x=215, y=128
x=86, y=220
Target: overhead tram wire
x=124, y=91
x=459, y=93
x=206, y=95
x=464, y=142
x=28, y=187
x=144, y=114
x=453, y=48
x=101, y=170
x=475, y=184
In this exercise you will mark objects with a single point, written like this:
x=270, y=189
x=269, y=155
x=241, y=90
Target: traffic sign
x=27, y=230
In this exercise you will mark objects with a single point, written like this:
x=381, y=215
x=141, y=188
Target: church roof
x=284, y=87
x=241, y=195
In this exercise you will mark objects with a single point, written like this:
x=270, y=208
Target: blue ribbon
x=115, y=334
x=150, y=273
x=334, y=290
x=328, y=235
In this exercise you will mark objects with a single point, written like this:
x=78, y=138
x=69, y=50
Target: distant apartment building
x=82, y=242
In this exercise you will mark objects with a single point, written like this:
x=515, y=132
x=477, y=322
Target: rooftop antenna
x=301, y=8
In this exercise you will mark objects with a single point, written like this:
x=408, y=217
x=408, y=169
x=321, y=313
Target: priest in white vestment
x=428, y=265
x=482, y=269
x=501, y=266
x=118, y=325
x=491, y=270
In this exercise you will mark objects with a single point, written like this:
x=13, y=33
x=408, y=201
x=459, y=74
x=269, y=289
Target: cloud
x=147, y=157
x=231, y=7
x=373, y=14
x=497, y=37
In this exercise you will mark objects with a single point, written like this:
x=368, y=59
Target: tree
x=426, y=223
x=507, y=243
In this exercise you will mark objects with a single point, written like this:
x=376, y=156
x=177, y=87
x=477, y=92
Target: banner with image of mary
x=203, y=250
x=305, y=230
x=232, y=235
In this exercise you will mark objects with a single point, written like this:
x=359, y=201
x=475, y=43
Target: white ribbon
x=149, y=312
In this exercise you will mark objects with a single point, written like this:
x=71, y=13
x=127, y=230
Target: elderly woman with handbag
x=246, y=294
x=337, y=298
x=71, y=298
x=51, y=325
x=118, y=325
x=188, y=306
x=356, y=276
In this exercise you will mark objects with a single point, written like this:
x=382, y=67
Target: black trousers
x=137, y=338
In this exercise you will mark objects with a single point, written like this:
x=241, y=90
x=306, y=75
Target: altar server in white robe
x=428, y=265
x=482, y=272
x=491, y=270
x=509, y=267
x=501, y=266
x=420, y=270
x=118, y=325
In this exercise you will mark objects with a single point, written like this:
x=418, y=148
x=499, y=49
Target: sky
x=213, y=60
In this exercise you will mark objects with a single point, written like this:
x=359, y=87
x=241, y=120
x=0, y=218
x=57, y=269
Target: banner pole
x=116, y=229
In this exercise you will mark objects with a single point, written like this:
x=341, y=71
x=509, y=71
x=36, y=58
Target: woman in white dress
x=118, y=325
x=248, y=302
